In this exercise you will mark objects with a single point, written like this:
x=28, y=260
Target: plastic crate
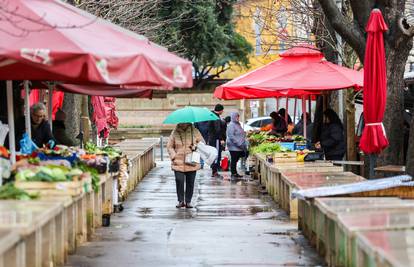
x=301, y=146
x=288, y=145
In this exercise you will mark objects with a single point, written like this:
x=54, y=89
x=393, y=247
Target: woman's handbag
x=194, y=157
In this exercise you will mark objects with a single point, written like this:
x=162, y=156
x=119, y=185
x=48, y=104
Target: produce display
x=109, y=151
x=268, y=148
x=9, y=191
x=49, y=173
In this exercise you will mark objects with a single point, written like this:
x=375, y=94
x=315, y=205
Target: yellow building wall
x=260, y=21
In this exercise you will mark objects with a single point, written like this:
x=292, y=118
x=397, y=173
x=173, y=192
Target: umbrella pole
x=277, y=104
x=372, y=165
x=10, y=117
x=304, y=117
x=286, y=111
x=294, y=110
x=27, y=109
x=50, y=104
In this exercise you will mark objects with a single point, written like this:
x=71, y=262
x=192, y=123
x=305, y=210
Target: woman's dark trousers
x=184, y=182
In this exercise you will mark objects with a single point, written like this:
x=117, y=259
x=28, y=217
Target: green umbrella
x=190, y=115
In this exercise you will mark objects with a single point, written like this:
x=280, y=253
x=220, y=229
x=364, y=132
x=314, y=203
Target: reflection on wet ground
x=232, y=224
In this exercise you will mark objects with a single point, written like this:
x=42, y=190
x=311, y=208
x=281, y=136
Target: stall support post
x=27, y=109
x=294, y=110
x=287, y=111
x=162, y=148
x=310, y=105
x=277, y=104
x=50, y=104
x=304, y=116
x=10, y=117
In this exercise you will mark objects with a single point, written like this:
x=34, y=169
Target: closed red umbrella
x=52, y=40
x=374, y=139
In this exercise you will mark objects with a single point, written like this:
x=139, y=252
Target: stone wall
x=146, y=112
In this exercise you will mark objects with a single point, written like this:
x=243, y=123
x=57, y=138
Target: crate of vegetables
x=53, y=180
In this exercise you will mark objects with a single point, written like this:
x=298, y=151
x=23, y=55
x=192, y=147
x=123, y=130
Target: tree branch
x=349, y=32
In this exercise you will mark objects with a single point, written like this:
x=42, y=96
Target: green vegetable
x=94, y=174
x=268, y=148
x=9, y=191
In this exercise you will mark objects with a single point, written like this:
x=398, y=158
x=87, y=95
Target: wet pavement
x=232, y=224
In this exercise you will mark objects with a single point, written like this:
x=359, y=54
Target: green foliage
x=204, y=34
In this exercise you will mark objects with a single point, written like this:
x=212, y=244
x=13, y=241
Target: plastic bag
x=208, y=153
x=27, y=146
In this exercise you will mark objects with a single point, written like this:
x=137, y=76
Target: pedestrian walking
x=236, y=144
x=332, y=140
x=216, y=138
x=182, y=142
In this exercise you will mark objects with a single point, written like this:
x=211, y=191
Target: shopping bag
x=27, y=146
x=225, y=164
x=193, y=158
x=208, y=153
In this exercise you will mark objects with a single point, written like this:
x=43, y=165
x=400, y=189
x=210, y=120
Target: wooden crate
x=73, y=188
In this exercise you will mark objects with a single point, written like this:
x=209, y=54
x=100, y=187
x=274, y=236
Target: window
x=266, y=122
x=256, y=124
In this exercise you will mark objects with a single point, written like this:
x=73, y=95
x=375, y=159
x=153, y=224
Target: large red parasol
x=374, y=139
x=52, y=40
x=301, y=71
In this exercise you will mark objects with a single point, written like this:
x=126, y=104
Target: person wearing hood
x=183, y=141
x=332, y=140
x=236, y=143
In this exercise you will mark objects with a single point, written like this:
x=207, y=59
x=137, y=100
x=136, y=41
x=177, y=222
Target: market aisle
x=232, y=225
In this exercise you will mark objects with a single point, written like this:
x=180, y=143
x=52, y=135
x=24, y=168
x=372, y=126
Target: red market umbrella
x=301, y=71
x=52, y=40
x=374, y=139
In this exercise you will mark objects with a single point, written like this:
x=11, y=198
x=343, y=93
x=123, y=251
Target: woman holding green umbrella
x=182, y=143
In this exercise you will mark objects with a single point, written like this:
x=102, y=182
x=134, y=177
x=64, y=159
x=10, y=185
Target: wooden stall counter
x=386, y=248
x=11, y=249
x=303, y=180
x=40, y=226
x=331, y=223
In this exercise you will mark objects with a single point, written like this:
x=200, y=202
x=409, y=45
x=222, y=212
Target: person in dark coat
x=41, y=132
x=216, y=137
x=298, y=130
x=59, y=130
x=282, y=113
x=332, y=140
x=279, y=126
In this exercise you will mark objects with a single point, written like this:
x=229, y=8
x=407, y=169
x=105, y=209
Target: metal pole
x=10, y=117
x=50, y=105
x=162, y=147
x=286, y=111
x=27, y=118
x=277, y=104
x=340, y=52
x=304, y=116
x=294, y=110
x=310, y=106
